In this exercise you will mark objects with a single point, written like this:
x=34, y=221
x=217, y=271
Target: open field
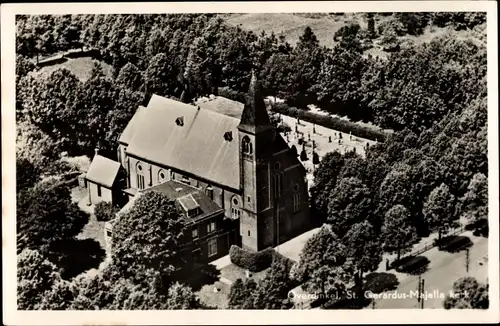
x=290, y=25
x=81, y=67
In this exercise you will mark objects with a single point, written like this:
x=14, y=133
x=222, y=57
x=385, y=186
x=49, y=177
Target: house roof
x=103, y=171
x=197, y=146
x=187, y=198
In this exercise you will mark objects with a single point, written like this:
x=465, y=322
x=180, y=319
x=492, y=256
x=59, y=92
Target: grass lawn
x=233, y=272
x=228, y=274
x=94, y=229
x=81, y=67
x=218, y=299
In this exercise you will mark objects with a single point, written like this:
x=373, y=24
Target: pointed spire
x=254, y=117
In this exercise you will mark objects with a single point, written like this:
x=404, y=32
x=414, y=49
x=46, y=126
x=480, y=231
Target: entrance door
x=197, y=256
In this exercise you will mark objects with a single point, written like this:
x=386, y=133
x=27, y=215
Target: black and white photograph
x=251, y=158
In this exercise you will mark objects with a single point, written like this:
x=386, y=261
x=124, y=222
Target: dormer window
x=228, y=135
x=179, y=121
x=190, y=205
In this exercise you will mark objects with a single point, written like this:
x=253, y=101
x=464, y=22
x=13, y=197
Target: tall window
x=246, y=145
x=212, y=247
x=99, y=194
x=210, y=227
x=235, y=211
x=195, y=232
x=296, y=202
x=140, y=176
x=278, y=183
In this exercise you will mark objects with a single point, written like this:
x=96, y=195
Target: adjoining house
x=240, y=165
x=103, y=181
x=210, y=233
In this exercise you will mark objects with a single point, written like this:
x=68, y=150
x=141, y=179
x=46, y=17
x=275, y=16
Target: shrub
x=453, y=243
x=303, y=156
x=411, y=264
x=253, y=261
x=104, y=211
x=231, y=94
x=331, y=122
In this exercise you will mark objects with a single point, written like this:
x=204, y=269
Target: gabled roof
x=103, y=171
x=132, y=126
x=197, y=147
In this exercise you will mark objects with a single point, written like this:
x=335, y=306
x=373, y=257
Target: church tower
x=256, y=136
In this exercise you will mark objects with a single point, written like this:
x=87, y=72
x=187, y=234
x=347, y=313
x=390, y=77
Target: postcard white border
x=13, y=317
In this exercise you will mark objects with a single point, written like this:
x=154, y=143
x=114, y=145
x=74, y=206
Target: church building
x=234, y=176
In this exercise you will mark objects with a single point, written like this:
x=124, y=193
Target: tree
x=394, y=188
x=303, y=155
x=26, y=173
x=272, y=290
x=36, y=276
x=325, y=179
x=157, y=76
x=59, y=297
x=242, y=296
x=475, y=200
x=97, y=101
x=321, y=261
x=439, y=209
x=315, y=158
x=468, y=293
x=363, y=250
x=130, y=77
x=397, y=231
x=23, y=66
x=52, y=104
x=237, y=294
x=182, y=297
x=46, y=214
x=148, y=238
x=371, y=26
x=125, y=104
x=349, y=203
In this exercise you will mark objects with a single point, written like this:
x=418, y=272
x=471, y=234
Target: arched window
x=235, y=209
x=246, y=145
x=140, y=176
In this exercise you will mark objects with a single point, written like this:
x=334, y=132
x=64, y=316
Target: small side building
x=103, y=181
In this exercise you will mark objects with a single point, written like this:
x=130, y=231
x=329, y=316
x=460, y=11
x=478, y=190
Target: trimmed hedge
x=331, y=122
x=327, y=121
x=257, y=261
x=253, y=261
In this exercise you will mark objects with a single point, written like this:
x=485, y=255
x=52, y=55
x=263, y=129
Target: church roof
x=254, y=116
x=194, y=144
x=103, y=171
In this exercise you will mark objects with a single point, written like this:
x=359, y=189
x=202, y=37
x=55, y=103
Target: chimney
x=96, y=150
